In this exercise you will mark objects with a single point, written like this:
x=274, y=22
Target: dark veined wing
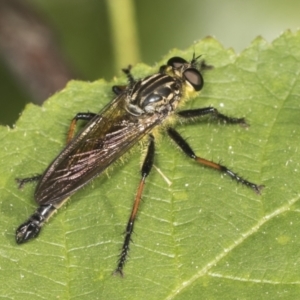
x=101, y=142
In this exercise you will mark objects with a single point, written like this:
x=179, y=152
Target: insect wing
x=104, y=139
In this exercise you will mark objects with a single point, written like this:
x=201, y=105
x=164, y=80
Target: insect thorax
x=158, y=93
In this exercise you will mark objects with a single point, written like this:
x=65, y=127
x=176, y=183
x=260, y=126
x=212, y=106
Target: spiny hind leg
x=146, y=168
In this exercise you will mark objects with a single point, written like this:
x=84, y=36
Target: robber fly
x=132, y=115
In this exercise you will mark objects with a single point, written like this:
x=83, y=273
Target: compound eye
x=176, y=62
x=194, y=77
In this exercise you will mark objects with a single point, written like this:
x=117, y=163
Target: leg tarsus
x=119, y=89
x=22, y=181
x=256, y=188
x=204, y=66
x=130, y=78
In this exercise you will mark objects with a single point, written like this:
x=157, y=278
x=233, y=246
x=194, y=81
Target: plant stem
x=124, y=32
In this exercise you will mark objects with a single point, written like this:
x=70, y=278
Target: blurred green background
x=83, y=30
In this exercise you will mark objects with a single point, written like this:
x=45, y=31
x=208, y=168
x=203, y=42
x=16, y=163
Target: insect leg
x=79, y=116
x=146, y=168
x=22, y=181
x=185, y=147
x=31, y=228
x=129, y=75
x=194, y=113
x=119, y=89
x=204, y=66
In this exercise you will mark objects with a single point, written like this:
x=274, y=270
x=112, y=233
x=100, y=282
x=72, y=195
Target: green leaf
x=202, y=237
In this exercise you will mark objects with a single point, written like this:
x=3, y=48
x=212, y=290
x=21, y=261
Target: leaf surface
x=203, y=236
